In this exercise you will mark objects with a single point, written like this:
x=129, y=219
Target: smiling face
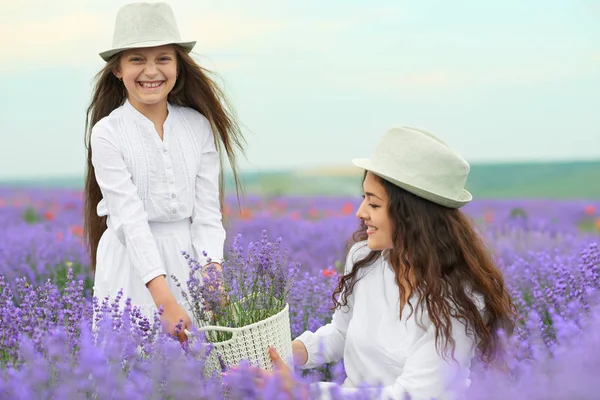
x=374, y=212
x=149, y=74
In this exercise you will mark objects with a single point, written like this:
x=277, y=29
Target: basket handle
x=216, y=328
x=213, y=328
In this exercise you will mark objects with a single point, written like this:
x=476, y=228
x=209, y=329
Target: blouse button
x=174, y=211
x=168, y=166
x=173, y=195
x=165, y=151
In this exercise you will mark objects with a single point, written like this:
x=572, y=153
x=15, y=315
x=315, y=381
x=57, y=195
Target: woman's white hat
x=420, y=163
x=145, y=25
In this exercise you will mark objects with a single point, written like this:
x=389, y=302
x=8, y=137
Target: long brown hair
x=438, y=247
x=194, y=89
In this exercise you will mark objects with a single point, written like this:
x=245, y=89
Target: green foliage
x=589, y=225
x=31, y=216
x=60, y=275
x=518, y=212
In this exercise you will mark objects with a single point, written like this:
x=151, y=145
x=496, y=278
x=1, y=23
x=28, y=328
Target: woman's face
x=374, y=211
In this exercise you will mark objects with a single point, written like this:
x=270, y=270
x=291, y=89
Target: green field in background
x=523, y=180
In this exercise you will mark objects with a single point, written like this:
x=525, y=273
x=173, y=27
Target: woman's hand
x=294, y=387
x=290, y=385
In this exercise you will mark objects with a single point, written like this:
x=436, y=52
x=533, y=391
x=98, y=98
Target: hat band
x=147, y=40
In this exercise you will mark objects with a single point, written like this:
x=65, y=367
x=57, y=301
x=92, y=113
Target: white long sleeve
x=326, y=344
x=128, y=218
x=392, y=357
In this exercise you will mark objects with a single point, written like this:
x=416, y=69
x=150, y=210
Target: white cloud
x=49, y=42
x=72, y=33
x=338, y=48
x=70, y=39
x=411, y=82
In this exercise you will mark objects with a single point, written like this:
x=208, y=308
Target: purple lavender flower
x=58, y=342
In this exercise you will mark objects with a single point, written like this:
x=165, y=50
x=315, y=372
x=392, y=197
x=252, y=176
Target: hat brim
x=187, y=46
x=445, y=201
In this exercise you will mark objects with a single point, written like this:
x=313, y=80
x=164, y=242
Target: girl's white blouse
x=144, y=178
x=381, y=350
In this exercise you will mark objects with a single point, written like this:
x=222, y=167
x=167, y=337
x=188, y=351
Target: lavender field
x=549, y=252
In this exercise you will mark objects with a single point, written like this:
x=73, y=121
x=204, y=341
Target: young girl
x=420, y=292
x=154, y=182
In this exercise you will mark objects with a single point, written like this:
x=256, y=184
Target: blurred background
x=511, y=85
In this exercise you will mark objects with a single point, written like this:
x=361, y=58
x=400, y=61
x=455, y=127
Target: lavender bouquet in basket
x=242, y=307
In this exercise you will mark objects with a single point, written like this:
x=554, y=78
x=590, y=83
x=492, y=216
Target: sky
x=316, y=83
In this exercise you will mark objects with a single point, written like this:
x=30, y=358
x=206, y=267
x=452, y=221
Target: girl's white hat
x=145, y=25
x=420, y=163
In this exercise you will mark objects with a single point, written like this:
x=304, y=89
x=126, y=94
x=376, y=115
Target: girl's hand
x=216, y=267
x=173, y=314
x=212, y=275
x=172, y=311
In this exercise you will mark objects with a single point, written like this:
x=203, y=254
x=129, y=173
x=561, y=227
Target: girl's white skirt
x=115, y=272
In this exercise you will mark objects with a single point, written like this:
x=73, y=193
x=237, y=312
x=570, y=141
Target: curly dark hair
x=440, y=250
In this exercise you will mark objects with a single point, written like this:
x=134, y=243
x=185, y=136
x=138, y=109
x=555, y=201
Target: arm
x=426, y=374
x=207, y=229
x=128, y=217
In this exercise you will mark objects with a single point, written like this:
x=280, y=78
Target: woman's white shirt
x=381, y=350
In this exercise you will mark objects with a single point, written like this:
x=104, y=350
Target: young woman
x=154, y=183
x=420, y=294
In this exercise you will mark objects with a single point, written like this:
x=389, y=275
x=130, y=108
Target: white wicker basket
x=251, y=343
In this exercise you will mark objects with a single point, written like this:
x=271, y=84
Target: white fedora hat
x=420, y=163
x=145, y=25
